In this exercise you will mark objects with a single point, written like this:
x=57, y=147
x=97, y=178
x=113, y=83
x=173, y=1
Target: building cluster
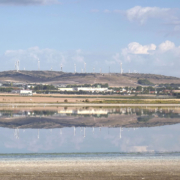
x=85, y=89
x=28, y=89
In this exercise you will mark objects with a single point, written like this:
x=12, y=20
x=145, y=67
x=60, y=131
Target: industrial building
x=92, y=89
x=25, y=93
x=87, y=89
x=66, y=89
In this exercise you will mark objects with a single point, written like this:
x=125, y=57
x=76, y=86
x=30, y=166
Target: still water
x=90, y=133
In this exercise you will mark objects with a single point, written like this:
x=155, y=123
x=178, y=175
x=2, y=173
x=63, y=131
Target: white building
x=66, y=89
x=26, y=93
x=92, y=89
x=92, y=111
x=83, y=112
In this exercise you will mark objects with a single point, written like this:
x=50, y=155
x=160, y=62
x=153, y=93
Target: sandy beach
x=91, y=170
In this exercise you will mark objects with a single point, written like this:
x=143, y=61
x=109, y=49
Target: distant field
x=10, y=98
x=116, y=96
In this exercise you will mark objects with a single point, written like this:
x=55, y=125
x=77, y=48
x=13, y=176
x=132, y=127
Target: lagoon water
x=87, y=133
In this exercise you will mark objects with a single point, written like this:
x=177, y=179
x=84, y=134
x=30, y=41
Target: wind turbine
x=121, y=68
x=60, y=131
x=16, y=133
x=84, y=67
x=120, y=133
x=74, y=131
x=38, y=134
x=17, y=65
x=75, y=68
x=84, y=132
x=38, y=64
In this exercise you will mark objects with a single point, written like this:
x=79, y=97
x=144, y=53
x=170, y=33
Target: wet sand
x=91, y=170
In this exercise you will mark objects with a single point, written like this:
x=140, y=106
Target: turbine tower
x=84, y=67
x=84, y=132
x=121, y=68
x=38, y=64
x=17, y=65
x=75, y=68
x=120, y=133
x=61, y=67
x=38, y=134
x=74, y=131
x=16, y=133
x=60, y=131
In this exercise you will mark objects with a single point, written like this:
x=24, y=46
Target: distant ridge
x=55, y=77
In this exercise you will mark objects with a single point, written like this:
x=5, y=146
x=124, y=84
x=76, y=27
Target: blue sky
x=158, y=139
x=142, y=34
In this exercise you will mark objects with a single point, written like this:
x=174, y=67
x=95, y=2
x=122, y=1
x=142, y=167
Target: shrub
x=87, y=100
x=145, y=82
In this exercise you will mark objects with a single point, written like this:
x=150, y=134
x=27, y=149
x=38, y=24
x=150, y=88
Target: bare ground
x=84, y=170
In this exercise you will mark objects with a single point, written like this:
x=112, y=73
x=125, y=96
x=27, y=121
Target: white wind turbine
x=84, y=67
x=121, y=68
x=84, y=132
x=74, y=131
x=60, y=131
x=38, y=64
x=16, y=133
x=17, y=65
x=75, y=68
x=120, y=132
x=38, y=134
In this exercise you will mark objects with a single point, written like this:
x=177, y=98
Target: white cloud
x=28, y=2
x=29, y=57
x=107, y=11
x=136, y=48
x=139, y=149
x=162, y=58
x=167, y=45
x=141, y=14
x=95, y=10
x=78, y=57
x=116, y=57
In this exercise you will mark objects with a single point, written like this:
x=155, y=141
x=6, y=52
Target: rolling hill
x=55, y=77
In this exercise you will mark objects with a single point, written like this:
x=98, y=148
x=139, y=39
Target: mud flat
x=155, y=169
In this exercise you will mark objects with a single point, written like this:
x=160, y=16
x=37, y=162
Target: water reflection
x=165, y=138
x=89, y=130
x=88, y=117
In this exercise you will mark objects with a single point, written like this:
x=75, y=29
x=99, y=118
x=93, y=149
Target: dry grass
x=43, y=98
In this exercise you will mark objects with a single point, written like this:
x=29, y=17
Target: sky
x=143, y=35
x=160, y=139
x=154, y=139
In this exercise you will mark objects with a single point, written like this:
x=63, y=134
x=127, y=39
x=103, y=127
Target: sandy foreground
x=91, y=170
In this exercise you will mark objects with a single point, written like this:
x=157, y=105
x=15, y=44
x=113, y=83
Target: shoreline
x=122, y=169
